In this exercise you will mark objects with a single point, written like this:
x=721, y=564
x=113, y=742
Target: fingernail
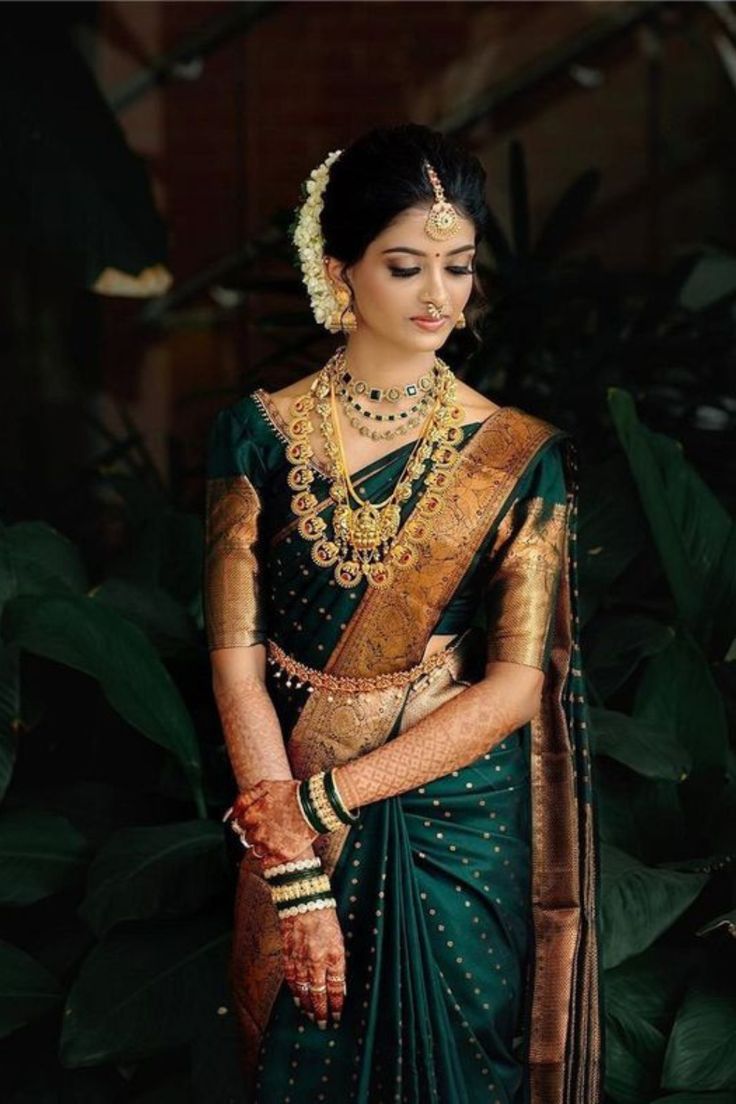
x=311, y=1016
x=321, y=1024
x=336, y=1021
x=297, y=1002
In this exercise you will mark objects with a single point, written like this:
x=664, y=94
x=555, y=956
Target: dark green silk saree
x=469, y=906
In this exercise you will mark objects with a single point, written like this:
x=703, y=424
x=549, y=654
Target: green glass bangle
x=310, y=813
x=336, y=801
x=281, y=905
x=295, y=876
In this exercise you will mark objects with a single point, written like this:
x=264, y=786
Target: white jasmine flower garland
x=307, y=237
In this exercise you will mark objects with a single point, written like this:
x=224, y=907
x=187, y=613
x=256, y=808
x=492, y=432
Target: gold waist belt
x=314, y=679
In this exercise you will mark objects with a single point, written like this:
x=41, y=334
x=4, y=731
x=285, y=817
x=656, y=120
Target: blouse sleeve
x=526, y=561
x=233, y=563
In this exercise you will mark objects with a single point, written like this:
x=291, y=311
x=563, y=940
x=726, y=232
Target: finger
x=318, y=993
x=335, y=979
x=248, y=797
x=302, y=989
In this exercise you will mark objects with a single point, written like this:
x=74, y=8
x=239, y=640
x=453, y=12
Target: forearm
x=253, y=737
x=451, y=737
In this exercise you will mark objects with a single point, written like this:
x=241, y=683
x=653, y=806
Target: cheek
x=385, y=294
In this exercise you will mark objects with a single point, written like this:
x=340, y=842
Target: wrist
x=345, y=783
x=321, y=803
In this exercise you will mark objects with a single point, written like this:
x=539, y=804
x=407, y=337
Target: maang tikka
x=442, y=220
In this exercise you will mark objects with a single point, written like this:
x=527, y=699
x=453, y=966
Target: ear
x=335, y=270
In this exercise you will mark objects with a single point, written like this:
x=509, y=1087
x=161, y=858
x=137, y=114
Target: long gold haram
x=364, y=540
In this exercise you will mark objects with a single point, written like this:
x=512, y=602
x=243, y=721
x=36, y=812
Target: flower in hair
x=307, y=237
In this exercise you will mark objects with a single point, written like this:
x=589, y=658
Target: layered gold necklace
x=364, y=539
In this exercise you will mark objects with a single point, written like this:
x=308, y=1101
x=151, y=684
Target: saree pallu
x=469, y=905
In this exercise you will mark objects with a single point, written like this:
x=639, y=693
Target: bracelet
x=322, y=804
x=309, y=906
x=294, y=864
x=308, y=810
x=301, y=890
x=337, y=801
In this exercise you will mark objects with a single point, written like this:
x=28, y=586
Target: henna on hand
x=314, y=954
x=450, y=737
x=272, y=821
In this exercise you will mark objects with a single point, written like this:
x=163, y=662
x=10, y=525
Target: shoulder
x=239, y=442
x=281, y=400
x=477, y=406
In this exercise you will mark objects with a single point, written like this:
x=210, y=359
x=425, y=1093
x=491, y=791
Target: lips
x=427, y=318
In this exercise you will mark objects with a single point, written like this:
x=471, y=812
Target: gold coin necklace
x=364, y=542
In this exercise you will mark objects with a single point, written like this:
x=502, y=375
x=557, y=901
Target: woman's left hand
x=272, y=821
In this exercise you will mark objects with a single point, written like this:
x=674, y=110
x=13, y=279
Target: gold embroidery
x=520, y=595
x=232, y=599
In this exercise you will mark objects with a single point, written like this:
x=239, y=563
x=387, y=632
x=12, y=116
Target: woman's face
x=401, y=271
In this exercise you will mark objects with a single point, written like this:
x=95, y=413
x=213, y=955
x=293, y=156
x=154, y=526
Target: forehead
x=407, y=229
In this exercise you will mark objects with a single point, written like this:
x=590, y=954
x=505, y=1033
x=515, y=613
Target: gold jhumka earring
x=343, y=316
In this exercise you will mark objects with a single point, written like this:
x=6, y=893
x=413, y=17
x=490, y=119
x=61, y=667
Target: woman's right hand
x=314, y=955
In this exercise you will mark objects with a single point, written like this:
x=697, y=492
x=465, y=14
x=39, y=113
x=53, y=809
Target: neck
x=383, y=363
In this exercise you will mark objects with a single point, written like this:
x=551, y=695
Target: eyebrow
x=418, y=252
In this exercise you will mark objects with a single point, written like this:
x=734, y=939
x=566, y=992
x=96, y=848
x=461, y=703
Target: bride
x=391, y=611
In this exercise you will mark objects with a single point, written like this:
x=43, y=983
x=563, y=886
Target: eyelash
x=403, y=273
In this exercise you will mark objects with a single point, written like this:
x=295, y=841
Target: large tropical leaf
x=619, y=644
x=36, y=559
x=701, y=1054
x=27, y=990
x=10, y=711
x=639, y=902
x=162, y=618
x=146, y=872
x=40, y=853
x=642, y=995
x=84, y=634
x=144, y=989
x=693, y=533
x=649, y=749
x=677, y=691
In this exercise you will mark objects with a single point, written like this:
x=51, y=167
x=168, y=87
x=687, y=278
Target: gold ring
x=317, y=988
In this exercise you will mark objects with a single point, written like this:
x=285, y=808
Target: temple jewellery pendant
x=364, y=542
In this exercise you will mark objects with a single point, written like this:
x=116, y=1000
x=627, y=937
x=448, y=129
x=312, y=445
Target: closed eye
x=456, y=270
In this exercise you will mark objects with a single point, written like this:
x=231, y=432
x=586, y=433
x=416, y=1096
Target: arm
x=524, y=567
x=451, y=737
x=253, y=737
x=234, y=607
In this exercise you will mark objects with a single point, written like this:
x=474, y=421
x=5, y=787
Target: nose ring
x=435, y=312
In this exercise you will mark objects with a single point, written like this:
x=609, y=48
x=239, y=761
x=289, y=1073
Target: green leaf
x=144, y=989
x=27, y=992
x=693, y=533
x=649, y=749
x=642, y=995
x=639, y=902
x=677, y=692
x=36, y=559
x=163, y=871
x=82, y=633
x=162, y=618
x=701, y=1054
x=10, y=712
x=40, y=853
x=620, y=644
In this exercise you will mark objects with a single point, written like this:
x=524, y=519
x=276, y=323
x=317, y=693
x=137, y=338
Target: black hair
x=382, y=174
